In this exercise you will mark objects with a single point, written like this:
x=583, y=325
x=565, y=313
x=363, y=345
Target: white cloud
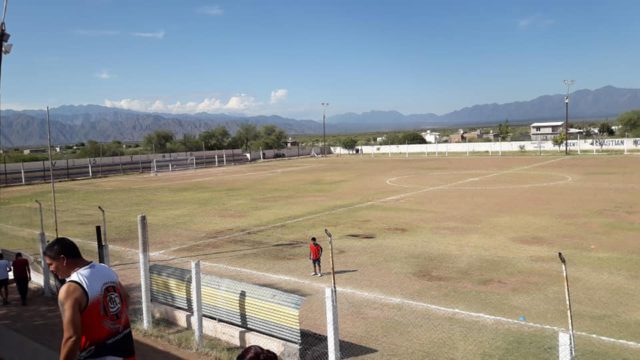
x=211, y=10
x=85, y=32
x=236, y=103
x=128, y=104
x=279, y=95
x=104, y=75
x=156, y=35
x=535, y=21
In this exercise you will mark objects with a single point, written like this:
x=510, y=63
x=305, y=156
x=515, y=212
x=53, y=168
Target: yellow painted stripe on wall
x=275, y=313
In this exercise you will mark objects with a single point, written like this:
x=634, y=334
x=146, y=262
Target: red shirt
x=20, y=267
x=316, y=251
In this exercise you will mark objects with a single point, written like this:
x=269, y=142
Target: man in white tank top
x=93, y=304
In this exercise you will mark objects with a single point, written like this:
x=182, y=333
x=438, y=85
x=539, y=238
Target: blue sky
x=285, y=57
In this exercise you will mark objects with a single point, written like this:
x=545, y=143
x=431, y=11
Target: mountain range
x=76, y=123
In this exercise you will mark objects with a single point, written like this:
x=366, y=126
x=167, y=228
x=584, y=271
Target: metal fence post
x=196, y=295
x=22, y=172
x=564, y=346
x=43, y=243
x=333, y=337
x=100, y=244
x=145, y=281
x=107, y=258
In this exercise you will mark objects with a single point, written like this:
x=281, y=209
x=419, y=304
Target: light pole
x=53, y=182
x=566, y=120
x=324, y=133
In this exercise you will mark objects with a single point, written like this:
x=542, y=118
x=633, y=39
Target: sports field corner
x=435, y=257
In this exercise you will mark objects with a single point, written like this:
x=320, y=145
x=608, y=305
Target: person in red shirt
x=22, y=276
x=315, y=253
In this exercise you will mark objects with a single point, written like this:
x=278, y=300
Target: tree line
x=247, y=137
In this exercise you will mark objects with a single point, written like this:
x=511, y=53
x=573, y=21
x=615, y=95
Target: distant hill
x=76, y=123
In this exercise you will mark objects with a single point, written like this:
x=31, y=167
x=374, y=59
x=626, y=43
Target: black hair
x=313, y=238
x=18, y=255
x=1, y=256
x=255, y=352
x=62, y=246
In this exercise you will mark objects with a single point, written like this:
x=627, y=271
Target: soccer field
x=473, y=236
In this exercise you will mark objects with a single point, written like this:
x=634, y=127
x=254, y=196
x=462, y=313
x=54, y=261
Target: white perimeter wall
x=496, y=147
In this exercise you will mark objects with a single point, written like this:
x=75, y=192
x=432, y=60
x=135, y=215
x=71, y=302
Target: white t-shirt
x=5, y=265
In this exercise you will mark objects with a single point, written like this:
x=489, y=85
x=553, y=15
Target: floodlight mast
x=568, y=83
x=324, y=133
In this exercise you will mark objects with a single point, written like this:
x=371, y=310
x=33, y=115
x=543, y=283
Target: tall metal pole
x=53, y=186
x=324, y=133
x=568, y=298
x=568, y=83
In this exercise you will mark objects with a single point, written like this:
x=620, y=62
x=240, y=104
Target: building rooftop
x=553, y=123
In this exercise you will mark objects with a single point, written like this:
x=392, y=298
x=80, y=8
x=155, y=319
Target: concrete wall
x=229, y=333
x=496, y=147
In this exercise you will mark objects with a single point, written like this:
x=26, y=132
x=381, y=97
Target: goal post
x=174, y=164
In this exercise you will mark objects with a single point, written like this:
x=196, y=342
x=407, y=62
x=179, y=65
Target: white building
x=431, y=137
x=544, y=131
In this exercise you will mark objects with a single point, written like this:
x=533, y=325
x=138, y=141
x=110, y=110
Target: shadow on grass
x=314, y=347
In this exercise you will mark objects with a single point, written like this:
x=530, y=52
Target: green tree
x=91, y=149
x=630, y=122
x=393, y=139
x=190, y=143
x=216, y=138
x=504, y=130
x=159, y=140
x=604, y=131
x=559, y=140
x=349, y=143
x=245, y=135
x=412, y=138
x=272, y=137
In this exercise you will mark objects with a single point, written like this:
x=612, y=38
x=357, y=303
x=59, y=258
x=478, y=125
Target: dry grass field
x=476, y=234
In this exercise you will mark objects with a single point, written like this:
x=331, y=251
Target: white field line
x=223, y=176
x=368, y=203
x=368, y=295
x=52, y=236
x=567, y=178
x=417, y=304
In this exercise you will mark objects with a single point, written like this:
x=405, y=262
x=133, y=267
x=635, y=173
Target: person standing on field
x=22, y=276
x=93, y=304
x=5, y=268
x=315, y=253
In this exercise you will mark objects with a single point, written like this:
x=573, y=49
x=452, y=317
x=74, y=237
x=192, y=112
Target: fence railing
x=269, y=311
x=34, y=172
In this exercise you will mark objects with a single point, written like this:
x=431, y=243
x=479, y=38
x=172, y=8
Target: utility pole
x=53, y=182
x=324, y=133
x=568, y=83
